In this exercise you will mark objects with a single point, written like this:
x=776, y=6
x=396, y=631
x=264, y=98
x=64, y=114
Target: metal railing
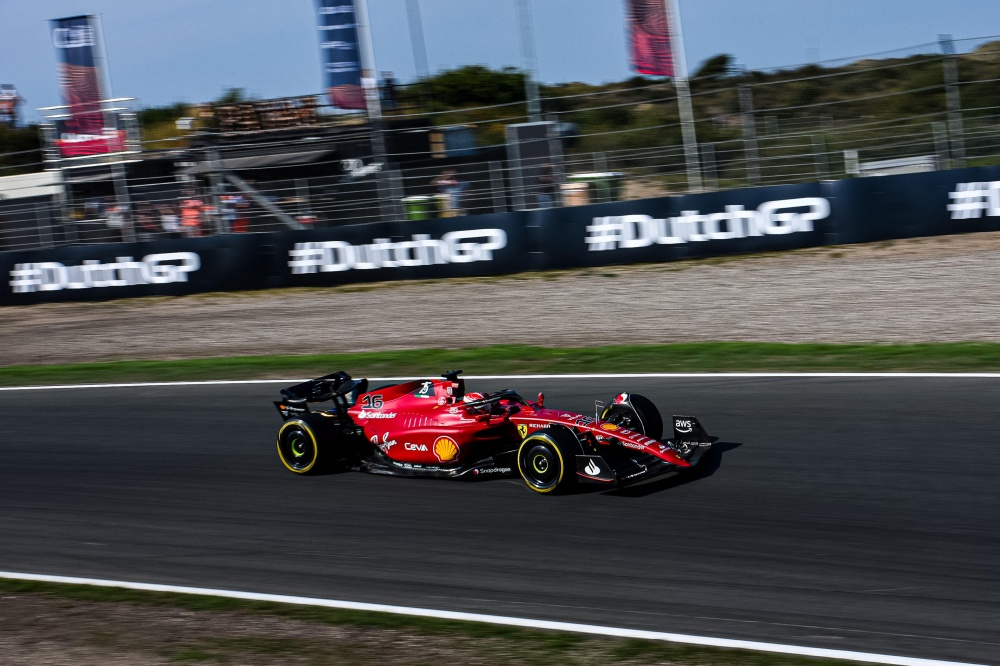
x=753, y=131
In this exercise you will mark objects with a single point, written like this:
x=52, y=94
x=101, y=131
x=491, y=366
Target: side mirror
x=541, y=400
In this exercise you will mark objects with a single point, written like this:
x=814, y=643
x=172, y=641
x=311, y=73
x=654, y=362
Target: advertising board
x=764, y=219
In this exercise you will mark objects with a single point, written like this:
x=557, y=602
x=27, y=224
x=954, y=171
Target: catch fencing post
x=954, y=101
x=496, y=186
x=940, y=131
x=44, y=221
x=302, y=194
x=120, y=181
x=709, y=167
x=528, y=61
x=600, y=163
x=394, y=180
x=819, y=152
x=750, y=153
x=215, y=191
x=689, y=134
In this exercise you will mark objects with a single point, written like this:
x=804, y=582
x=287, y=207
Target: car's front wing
x=633, y=467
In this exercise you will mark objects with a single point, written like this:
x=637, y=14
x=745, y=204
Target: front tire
x=298, y=447
x=641, y=415
x=545, y=460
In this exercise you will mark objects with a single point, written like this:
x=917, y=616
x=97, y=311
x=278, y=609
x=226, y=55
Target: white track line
x=497, y=619
x=644, y=375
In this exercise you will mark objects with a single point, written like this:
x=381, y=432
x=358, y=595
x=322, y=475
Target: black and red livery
x=433, y=428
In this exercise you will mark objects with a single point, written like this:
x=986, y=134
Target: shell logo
x=445, y=449
x=609, y=426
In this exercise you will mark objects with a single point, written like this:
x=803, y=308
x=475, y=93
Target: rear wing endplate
x=324, y=388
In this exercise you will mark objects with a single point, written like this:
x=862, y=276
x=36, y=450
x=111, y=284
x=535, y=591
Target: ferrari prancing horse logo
x=522, y=430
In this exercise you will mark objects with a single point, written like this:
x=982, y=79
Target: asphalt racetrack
x=847, y=513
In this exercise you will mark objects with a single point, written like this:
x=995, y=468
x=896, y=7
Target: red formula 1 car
x=433, y=428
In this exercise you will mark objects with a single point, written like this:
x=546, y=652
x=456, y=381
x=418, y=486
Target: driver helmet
x=472, y=397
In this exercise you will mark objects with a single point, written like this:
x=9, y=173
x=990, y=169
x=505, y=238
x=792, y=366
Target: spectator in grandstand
x=146, y=225
x=191, y=209
x=546, y=186
x=92, y=208
x=450, y=190
x=169, y=222
x=209, y=219
x=241, y=223
x=228, y=212
x=116, y=222
x=387, y=91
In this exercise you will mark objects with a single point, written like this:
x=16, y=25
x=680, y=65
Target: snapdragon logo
x=456, y=247
x=125, y=272
x=787, y=216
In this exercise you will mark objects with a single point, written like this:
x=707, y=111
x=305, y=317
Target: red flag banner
x=88, y=130
x=649, y=37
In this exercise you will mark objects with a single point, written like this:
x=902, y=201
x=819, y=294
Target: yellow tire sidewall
x=303, y=426
x=555, y=447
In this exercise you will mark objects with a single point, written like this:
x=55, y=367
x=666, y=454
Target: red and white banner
x=88, y=130
x=650, y=47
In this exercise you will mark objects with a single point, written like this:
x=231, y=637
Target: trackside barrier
x=763, y=219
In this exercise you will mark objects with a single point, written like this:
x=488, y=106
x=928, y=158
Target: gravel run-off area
x=920, y=290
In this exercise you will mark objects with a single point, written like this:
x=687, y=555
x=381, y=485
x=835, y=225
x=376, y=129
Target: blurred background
x=224, y=116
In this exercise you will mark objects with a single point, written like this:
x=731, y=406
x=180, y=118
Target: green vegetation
x=845, y=107
x=505, y=644
x=159, y=123
x=475, y=85
x=523, y=359
x=860, y=105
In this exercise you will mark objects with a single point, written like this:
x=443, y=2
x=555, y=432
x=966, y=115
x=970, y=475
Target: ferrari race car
x=433, y=428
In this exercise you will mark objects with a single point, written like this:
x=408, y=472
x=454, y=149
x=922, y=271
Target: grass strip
x=523, y=359
x=508, y=644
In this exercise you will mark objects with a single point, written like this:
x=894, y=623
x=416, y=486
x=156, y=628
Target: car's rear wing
x=338, y=387
x=324, y=388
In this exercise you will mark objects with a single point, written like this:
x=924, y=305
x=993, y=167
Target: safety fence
x=896, y=113
x=761, y=219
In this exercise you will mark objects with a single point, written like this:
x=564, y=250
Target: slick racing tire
x=298, y=447
x=642, y=416
x=546, y=460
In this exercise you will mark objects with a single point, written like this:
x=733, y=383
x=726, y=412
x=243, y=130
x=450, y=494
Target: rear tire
x=298, y=447
x=546, y=460
x=642, y=416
